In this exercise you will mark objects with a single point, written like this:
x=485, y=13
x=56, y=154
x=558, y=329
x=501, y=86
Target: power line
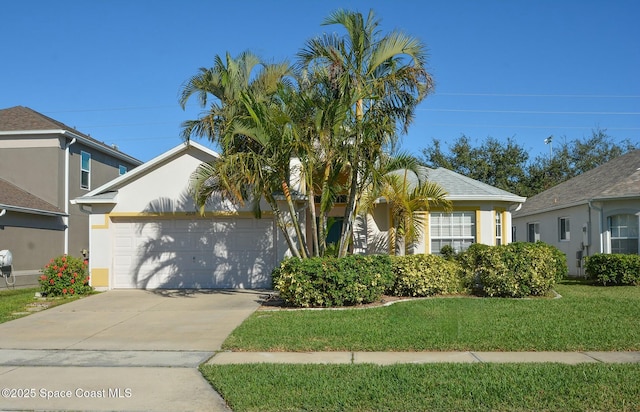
x=526, y=126
x=528, y=112
x=581, y=96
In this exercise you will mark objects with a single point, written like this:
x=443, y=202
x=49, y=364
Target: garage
x=147, y=233
x=193, y=254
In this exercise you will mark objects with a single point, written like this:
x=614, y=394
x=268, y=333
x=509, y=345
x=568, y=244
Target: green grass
x=585, y=318
x=439, y=387
x=14, y=303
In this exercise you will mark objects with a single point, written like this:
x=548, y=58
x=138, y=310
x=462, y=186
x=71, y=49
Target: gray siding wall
x=39, y=169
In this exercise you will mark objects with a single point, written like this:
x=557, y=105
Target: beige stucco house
x=596, y=212
x=146, y=231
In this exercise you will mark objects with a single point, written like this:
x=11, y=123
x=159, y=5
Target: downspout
x=600, y=225
x=66, y=196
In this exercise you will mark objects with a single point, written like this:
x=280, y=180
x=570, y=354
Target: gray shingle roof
x=460, y=187
x=618, y=178
x=12, y=197
x=20, y=118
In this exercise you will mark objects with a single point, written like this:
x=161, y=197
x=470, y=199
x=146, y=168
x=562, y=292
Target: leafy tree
x=247, y=121
x=506, y=165
x=380, y=80
x=493, y=162
x=573, y=158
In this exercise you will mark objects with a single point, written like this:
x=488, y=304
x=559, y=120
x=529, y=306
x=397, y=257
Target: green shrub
x=516, y=270
x=469, y=261
x=426, y=275
x=614, y=269
x=560, y=260
x=448, y=252
x=330, y=281
x=65, y=275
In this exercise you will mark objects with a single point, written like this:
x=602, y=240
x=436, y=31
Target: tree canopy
x=508, y=166
x=337, y=112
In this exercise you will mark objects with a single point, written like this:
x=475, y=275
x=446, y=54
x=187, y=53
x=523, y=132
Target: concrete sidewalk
x=390, y=358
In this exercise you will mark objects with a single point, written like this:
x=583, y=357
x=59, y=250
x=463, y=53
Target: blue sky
x=523, y=69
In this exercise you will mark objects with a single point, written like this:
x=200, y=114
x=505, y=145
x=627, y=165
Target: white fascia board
x=95, y=201
x=513, y=199
x=30, y=132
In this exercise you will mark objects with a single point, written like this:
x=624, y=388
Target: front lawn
x=585, y=318
x=16, y=303
x=430, y=387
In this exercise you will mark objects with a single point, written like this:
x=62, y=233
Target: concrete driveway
x=120, y=350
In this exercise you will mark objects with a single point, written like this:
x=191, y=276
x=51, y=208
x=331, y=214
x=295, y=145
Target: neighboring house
x=44, y=164
x=146, y=231
x=596, y=212
x=481, y=214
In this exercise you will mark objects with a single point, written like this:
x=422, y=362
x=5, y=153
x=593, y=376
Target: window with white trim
x=564, y=230
x=533, y=232
x=457, y=229
x=498, y=228
x=85, y=170
x=624, y=233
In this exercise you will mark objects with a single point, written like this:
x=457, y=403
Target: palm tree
x=380, y=80
x=405, y=188
x=246, y=120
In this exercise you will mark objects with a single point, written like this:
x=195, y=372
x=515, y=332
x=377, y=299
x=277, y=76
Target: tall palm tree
x=246, y=120
x=381, y=79
x=407, y=192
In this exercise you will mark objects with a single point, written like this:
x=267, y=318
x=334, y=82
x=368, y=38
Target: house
x=481, y=214
x=147, y=232
x=595, y=212
x=43, y=164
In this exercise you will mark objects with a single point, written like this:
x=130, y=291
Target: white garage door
x=196, y=253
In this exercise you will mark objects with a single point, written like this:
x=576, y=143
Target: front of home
x=146, y=231
x=480, y=214
x=596, y=212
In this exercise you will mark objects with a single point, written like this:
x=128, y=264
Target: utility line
x=582, y=96
x=528, y=112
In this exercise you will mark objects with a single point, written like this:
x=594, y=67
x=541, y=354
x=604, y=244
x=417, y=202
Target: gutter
x=6, y=208
x=66, y=195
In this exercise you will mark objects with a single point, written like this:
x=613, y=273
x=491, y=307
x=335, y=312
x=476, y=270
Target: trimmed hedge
x=426, y=275
x=515, y=270
x=327, y=282
x=614, y=269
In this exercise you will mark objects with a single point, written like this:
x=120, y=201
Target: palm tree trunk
x=295, y=221
x=282, y=225
x=349, y=214
x=324, y=213
x=314, y=224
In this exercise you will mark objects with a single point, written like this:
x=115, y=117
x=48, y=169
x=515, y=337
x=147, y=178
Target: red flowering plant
x=65, y=276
